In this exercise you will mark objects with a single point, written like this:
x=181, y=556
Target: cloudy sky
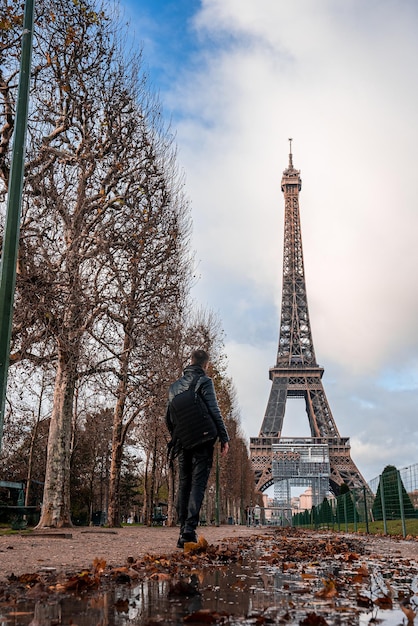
x=238, y=78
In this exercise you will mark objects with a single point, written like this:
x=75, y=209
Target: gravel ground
x=73, y=549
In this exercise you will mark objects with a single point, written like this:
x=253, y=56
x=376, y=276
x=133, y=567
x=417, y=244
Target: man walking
x=195, y=463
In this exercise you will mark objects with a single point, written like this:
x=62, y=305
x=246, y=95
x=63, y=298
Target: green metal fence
x=388, y=504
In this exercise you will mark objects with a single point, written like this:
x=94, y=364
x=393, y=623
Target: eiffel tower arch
x=278, y=461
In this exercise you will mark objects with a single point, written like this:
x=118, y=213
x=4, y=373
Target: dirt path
x=71, y=550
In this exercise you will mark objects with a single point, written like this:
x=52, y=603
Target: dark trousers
x=194, y=470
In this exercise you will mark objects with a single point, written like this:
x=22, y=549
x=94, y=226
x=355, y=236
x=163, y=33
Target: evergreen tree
x=388, y=484
x=326, y=513
x=345, y=506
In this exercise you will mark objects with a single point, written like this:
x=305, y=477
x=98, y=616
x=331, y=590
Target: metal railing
x=390, y=505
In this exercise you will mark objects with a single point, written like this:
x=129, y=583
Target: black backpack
x=192, y=425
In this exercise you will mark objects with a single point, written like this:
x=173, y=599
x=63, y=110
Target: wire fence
x=388, y=504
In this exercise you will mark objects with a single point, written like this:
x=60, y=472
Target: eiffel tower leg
x=319, y=413
x=276, y=407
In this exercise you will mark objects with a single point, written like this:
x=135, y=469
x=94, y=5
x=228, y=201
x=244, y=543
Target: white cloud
x=373, y=458
x=341, y=79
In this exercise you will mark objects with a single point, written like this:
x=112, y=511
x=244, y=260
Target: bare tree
x=92, y=160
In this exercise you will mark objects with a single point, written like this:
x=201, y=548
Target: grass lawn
x=394, y=527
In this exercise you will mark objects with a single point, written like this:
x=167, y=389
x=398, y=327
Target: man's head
x=201, y=358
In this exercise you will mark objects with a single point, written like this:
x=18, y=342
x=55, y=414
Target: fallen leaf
x=191, y=547
x=119, y=570
x=384, y=602
x=288, y=565
x=362, y=570
x=80, y=582
x=328, y=591
x=351, y=556
x=239, y=585
x=99, y=565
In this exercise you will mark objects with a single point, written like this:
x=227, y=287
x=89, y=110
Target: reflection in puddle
x=245, y=593
x=394, y=617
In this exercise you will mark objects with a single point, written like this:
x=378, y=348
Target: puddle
x=248, y=592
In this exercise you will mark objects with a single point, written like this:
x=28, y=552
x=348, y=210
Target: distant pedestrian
x=195, y=463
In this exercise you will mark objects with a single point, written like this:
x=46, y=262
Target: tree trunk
x=171, y=492
x=113, y=511
x=56, y=499
x=152, y=489
x=118, y=438
x=146, y=491
x=30, y=463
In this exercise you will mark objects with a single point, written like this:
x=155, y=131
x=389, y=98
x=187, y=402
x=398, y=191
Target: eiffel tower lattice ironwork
x=296, y=373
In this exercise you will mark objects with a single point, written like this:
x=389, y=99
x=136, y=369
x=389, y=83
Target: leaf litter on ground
x=314, y=576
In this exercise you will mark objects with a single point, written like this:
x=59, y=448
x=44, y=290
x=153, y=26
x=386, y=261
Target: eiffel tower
x=296, y=373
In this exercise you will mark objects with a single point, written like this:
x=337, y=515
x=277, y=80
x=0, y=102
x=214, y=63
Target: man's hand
x=224, y=448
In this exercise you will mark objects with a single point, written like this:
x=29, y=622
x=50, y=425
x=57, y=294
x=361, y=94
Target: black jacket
x=206, y=391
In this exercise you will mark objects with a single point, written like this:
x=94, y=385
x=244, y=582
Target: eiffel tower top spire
x=290, y=154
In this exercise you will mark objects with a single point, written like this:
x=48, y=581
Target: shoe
x=187, y=538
